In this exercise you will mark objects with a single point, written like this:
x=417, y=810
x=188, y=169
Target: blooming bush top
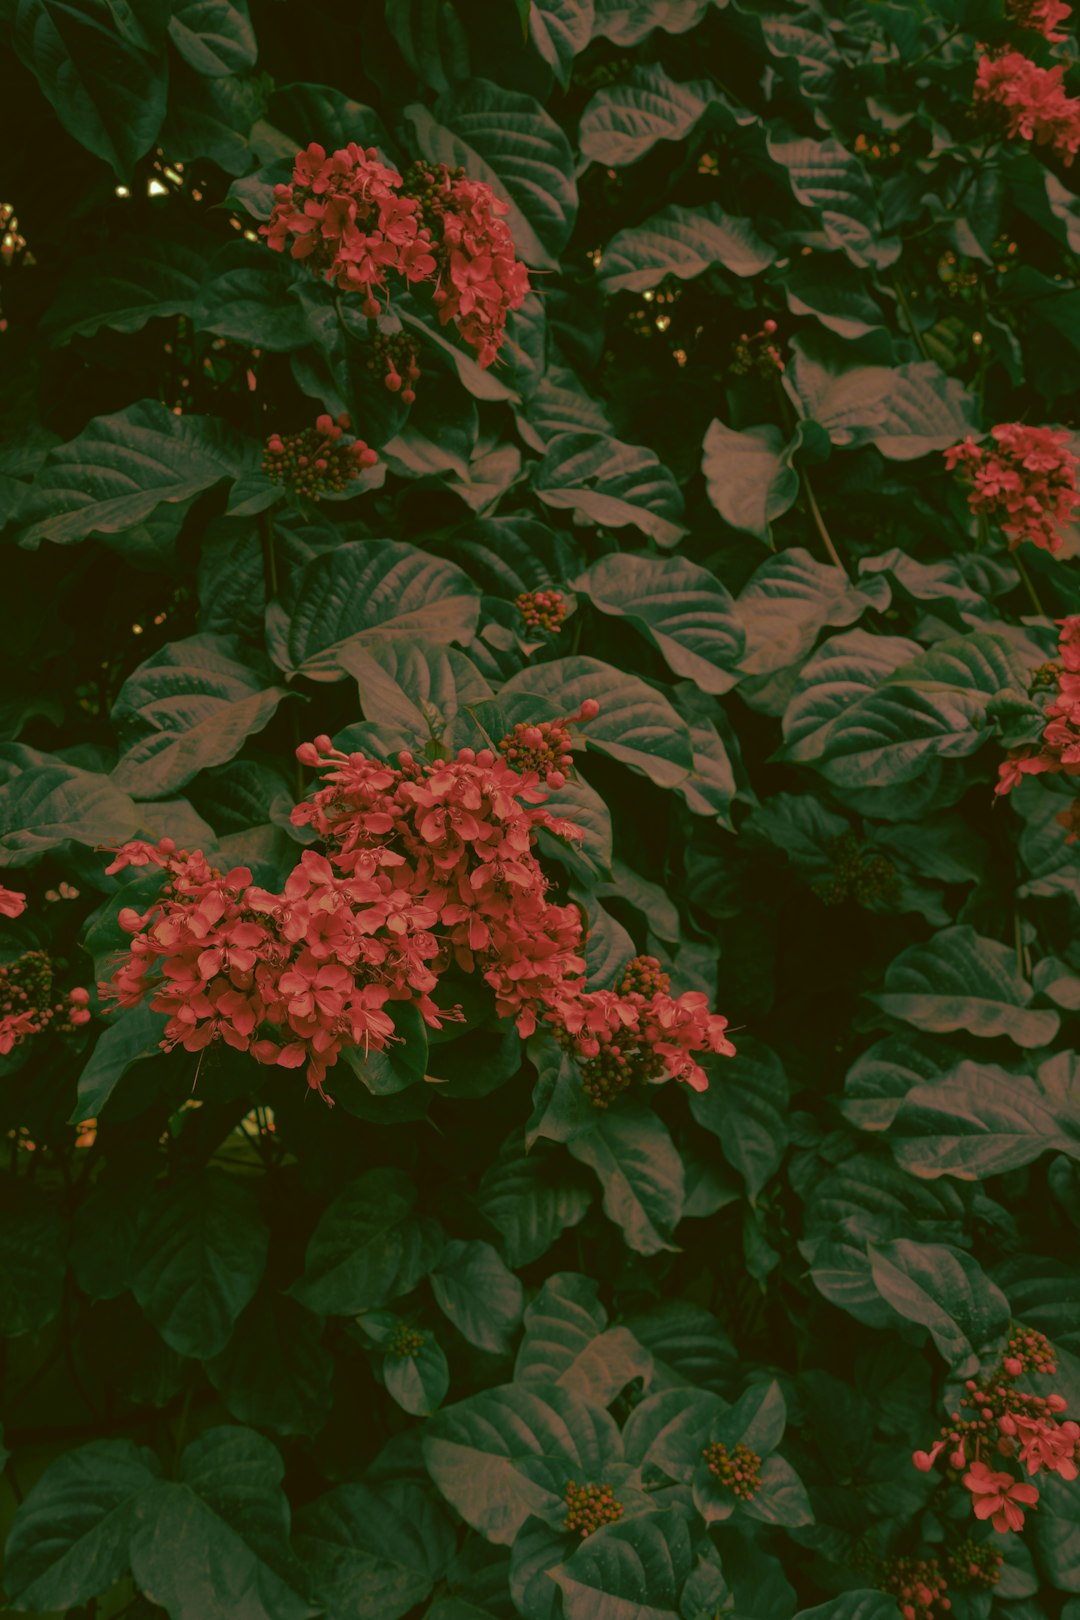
x=1031, y=100
x=1026, y=479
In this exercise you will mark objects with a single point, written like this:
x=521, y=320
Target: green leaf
x=188, y=707
x=827, y=179
x=749, y=476
x=275, y=1372
x=858, y=1605
x=416, y=685
x=686, y=1344
x=628, y=22
x=477, y=1452
x=745, y=1108
x=781, y=1498
x=198, y=1259
x=134, y=1033
x=832, y=290
x=69, y=1540
x=373, y=1554
x=665, y=1432
x=104, y=1229
x=507, y=140
x=366, y=589
x=906, y=411
x=682, y=242
x=602, y=481
x=143, y=279
x=623, y=122
x=641, y=1173
x=478, y=1294
x=560, y=30
x=945, y=1290
x=33, y=1244
x=789, y=599
x=121, y=467
x=636, y=724
x=46, y=804
x=219, y=1537
x=215, y=36
x=528, y=1198
x=368, y=1248
x=418, y=1383
x=247, y=298
x=108, y=94
x=843, y=670
x=568, y=1342
x=979, y=1121
x=682, y=609
x=632, y=1570
x=960, y=980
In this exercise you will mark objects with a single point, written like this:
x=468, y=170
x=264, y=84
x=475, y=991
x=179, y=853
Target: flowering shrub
x=543, y=613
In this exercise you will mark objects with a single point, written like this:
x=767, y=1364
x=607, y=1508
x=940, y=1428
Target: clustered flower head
x=405, y=1342
x=344, y=215
x=756, y=351
x=857, y=876
x=358, y=224
x=1059, y=747
x=428, y=867
x=918, y=1585
x=588, y=1507
x=737, y=1468
x=1007, y=1425
x=976, y=1564
x=1026, y=480
x=27, y=989
x=478, y=278
x=394, y=359
x=544, y=748
x=1029, y=101
x=543, y=610
x=1044, y=16
x=317, y=461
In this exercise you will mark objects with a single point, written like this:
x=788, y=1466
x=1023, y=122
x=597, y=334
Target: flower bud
x=307, y=754
x=1013, y=1366
x=589, y=709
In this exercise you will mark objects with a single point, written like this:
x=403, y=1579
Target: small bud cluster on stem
x=737, y=1468
x=27, y=989
x=317, y=461
x=543, y=610
x=588, y=1507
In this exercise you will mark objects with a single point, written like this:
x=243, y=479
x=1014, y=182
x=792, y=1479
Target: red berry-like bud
x=590, y=709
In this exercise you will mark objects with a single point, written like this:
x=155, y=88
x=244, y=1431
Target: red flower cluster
x=1041, y=15
x=347, y=218
x=918, y=1585
x=358, y=223
x=1030, y=100
x=1027, y=481
x=1059, y=748
x=479, y=280
x=394, y=359
x=589, y=1506
x=1008, y=1423
x=428, y=866
x=26, y=991
x=739, y=1469
x=543, y=610
x=316, y=461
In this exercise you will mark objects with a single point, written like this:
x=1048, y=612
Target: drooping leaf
x=605, y=482
x=961, y=980
x=368, y=1248
x=682, y=242
x=682, y=609
x=640, y=1172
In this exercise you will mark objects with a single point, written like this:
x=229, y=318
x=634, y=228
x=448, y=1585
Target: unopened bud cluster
x=590, y=1506
x=543, y=610
x=394, y=359
x=857, y=876
x=405, y=1342
x=317, y=461
x=975, y=1565
x=545, y=747
x=738, y=1469
x=918, y=1585
x=757, y=351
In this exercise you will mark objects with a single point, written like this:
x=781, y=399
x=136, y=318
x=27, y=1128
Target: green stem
x=940, y=46
x=1029, y=585
x=819, y=522
x=909, y=318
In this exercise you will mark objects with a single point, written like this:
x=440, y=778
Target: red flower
x=998, y=1496
x=12, y=904
x=1031, y=101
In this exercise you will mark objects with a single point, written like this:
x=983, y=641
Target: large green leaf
x=628, y=1571
x=841, y=672
x=45, y=804
x=622, y=123
x=560, y=30
x=32, y=1259
x=198, y=1258
x=681, y=608
x=69, y=1540
x=508, y=140
x=529, y=1199
x=366, y=589
x=107, y=91
x=479, y=1451
x=142, y=279
x=373, y=1554
x=568, y=1342
x=961, y=980
x=636, y=724
x=833, y=183
x=628, y=22
x=477, y=1293
x=603, y=481
x=946, y=1291
x=275, y=1373
x=188, y=707
x=789, y=599
x=980, y=1121
x=682, y=242
x=745, y=1107
x=133, y=1033
x=749, y=475
x=641, y=1173
x=121, y=467
x=369, y=1247
x=906, y=411
x=215, y=36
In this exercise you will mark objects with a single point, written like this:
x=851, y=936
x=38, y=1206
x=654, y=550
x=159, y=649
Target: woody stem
x=819, y=523
x=1029, y=585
